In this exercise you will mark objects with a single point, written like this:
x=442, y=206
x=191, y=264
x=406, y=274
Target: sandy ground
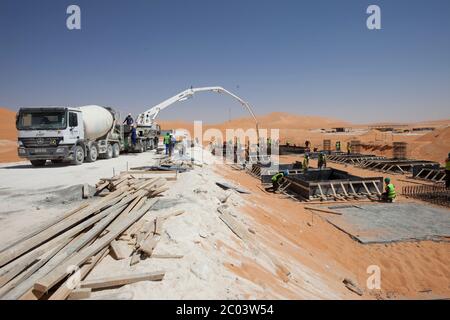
x=218, y=265
x=215, y=263
x=408, y=269
x=212, y=254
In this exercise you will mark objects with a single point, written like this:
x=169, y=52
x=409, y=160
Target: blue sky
x=313, y=57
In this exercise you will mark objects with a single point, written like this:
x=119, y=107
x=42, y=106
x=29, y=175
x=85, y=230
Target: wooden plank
x=25, y=260
x=149, y=245
x=48, y=281
x=22, y=247
x=108, y=215
x=65, y=289
x=82, y=293
x=158, y=226
x=32, y=269
x=45, y=227
x=117, y=250
x=135, y=258
x=122, y=280
x=85, y=191
x=102, y=186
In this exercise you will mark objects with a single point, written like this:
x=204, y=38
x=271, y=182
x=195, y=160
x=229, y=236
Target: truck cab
x=48, y=133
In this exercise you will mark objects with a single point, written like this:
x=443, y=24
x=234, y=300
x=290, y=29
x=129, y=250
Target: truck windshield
x=42, y=120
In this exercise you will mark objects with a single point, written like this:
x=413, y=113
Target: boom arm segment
x=147, y=117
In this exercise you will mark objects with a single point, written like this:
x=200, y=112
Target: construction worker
x=128, y=120
x=173, y=141
x=133, y=135
x=389, y=195
x=305, y=163
x=447, y=172
x=349, y=148
x=166, y=141
x=307, y=146
x=297, y=165
x=277, y=179
x=322, y=161
x=338, y=146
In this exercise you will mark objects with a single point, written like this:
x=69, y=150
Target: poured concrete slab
x=392, y=222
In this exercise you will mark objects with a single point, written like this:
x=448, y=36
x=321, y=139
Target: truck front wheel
x=92, y=154
x=38, y=163
x=78, y=155
x=116, y=150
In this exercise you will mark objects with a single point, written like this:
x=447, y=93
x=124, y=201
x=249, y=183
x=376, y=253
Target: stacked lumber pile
x=41, y=264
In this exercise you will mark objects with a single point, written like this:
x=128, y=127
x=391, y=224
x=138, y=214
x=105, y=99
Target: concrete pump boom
x=147, y=118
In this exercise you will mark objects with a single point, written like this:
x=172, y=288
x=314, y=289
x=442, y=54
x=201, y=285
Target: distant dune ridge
x=293, y=128
x=8, y=136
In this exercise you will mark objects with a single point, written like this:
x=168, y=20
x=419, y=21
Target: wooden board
x=122, y=280
x=64, y=290
x=117, y=250
x=58, y=274
x=22, y=247
x=82, y=293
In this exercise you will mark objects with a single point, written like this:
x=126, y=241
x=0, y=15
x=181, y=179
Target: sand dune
x=8, y=136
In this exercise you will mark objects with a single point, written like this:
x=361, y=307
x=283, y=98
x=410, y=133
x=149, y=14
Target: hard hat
x=286, y=172
x=129, y=114
x=387, y=180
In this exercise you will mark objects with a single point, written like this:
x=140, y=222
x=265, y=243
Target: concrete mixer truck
x=66, y=134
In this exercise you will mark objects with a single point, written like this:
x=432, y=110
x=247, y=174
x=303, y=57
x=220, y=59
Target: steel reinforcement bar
x=435, y=194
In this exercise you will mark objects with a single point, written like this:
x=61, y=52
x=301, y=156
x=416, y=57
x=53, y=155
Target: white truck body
x=65, y=133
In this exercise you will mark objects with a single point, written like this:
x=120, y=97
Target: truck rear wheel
x=38, y=163
x=116, y=150
x=92, y=154
x=78, y=155
x=109, y=152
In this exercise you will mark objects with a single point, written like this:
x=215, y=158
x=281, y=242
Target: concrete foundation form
x=331, y=184
x=353, y=158
x=397, y=166
x=429, y=174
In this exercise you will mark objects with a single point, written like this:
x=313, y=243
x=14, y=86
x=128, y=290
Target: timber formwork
x=331, y=184
x=315, y=155
x=291, y=149
x=397, y=166
x=353, y=158
x=429, y=174
x=435, y=194
x=266, y=172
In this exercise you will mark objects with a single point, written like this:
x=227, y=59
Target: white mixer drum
x=97, y=121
